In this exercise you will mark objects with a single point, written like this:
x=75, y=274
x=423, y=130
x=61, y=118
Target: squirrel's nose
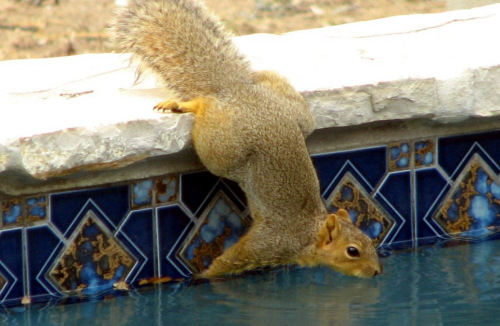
x=378, y=271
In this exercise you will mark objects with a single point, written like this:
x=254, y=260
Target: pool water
x=458, y=285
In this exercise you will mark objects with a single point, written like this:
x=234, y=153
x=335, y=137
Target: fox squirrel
x=250, y=127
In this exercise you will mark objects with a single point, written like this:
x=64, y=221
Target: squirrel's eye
x=353, y=251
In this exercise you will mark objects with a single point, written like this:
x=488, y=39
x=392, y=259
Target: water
x=434, y=286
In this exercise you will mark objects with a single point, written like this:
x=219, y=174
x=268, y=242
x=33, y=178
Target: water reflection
x=434, y=286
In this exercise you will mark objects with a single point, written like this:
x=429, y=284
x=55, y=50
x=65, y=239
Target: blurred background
x=48, y=28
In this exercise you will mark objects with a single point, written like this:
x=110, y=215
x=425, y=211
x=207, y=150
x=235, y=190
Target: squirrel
x=250, y=127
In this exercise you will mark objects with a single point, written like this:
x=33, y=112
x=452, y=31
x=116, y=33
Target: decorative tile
x=42, y=247
x=195, y=188
x=424, y=153
x=11, y=264
x=173, y=224
x=365, y=213
x=81, y=242
x=394, y=197
x=142, y=193
x=36, y=208
x=92, y=261
x=3, y=281
x=220, y=227
x=452, y=150
x=12, y=212
x=167, y=189
x=399, y=156
x=137, y=233
x=472, y=206
x=66, y=208
x=370, y=163
x=430, y=189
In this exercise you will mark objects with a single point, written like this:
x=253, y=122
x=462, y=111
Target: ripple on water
x=432, y=286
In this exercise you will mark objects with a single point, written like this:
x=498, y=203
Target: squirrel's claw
x=168, y=105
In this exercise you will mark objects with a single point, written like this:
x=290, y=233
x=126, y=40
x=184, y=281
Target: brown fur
x=250, y=127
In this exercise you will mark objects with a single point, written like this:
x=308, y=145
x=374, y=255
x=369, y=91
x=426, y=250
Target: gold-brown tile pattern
x=220, y=226
x=93, y=259
x=472, y=207
x=364, y=211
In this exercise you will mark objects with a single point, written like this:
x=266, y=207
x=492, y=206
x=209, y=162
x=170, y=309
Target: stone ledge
x=69, y=115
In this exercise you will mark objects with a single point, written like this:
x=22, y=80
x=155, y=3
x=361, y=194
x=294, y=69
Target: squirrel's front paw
x=168, y=105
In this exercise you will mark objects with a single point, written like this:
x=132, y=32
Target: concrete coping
x=62, y=116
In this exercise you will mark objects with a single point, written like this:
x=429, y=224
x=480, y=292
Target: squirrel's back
x=183, y=43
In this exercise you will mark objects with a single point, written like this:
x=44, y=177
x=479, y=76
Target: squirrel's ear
x=343, y=214
x=330, y=230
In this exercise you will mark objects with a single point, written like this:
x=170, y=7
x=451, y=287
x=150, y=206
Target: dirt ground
x=29, y=29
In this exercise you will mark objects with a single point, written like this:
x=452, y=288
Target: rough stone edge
x=404, y=99
x=384, y=99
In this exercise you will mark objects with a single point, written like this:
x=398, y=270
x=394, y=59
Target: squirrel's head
x=345, y=248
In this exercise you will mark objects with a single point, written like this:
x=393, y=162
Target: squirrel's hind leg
x=194, y=106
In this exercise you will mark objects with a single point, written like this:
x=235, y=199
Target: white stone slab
x=62, y=115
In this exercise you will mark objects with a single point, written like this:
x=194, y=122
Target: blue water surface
x=432, y=286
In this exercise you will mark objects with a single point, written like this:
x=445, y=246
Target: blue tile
x=220, y=226
x=113, y=201
x=173, y=226
x=11, y=264
x=395, y=196
x=424, y=153
x=42, y=246
x=231, y=190
x=430, y=188
x=472, y=207
x=363, y=210
x=92, y=261
x=12, y=212
x=399, y=156
x=36, y=208
x=137, y=234
x=142, y=193
x=489, y=141
x=370, y=163
x=453, y=150
x=195, y=188
x=167, y=189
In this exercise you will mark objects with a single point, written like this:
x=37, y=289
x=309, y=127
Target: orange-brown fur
x=250, y=127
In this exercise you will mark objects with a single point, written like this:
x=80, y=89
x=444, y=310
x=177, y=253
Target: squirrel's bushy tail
x=183, y=43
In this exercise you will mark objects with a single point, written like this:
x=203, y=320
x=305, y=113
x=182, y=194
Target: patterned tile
x=369, y=164
x=167, y=189
x=472, y=206
x=173, y=224
x=11, y=265
x=81, y=242
x=430, y=188
x=195, y=188
x=141, y=244
x=3, y=281
x=42, y=246
x=399, y=156
x=36, y=208
x=66, y=207
x=395, y=198
x=363, y=210
x=220, y=227
x=142, y=193
x=92, y=261
x=424, y=153
x=452, y=150
x=12, y=212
